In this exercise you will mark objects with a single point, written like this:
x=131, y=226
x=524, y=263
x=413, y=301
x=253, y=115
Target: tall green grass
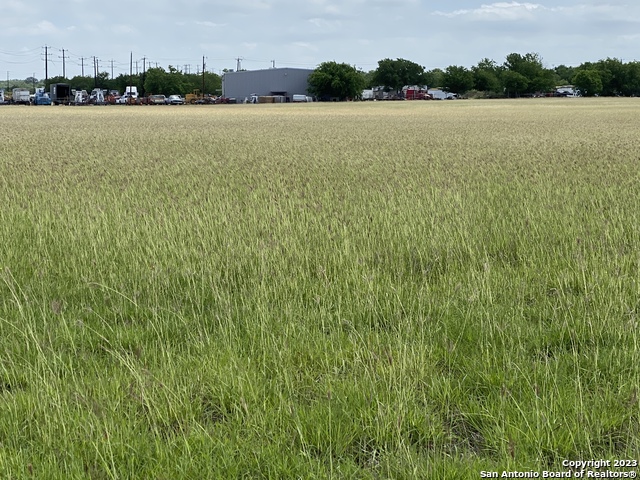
x=404, y=290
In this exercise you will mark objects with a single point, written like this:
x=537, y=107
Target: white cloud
x=498, y=11
x=211, y=24
x=123, y=29
x=16, y=6
x=325, y=25
x=305, y=45
x=42, y=28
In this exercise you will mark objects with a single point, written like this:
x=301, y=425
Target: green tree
x=486, y=81
x=564, y=74
x=588, y=82
x=514, y=83
x=336, y=80
x=458, y=79
x=395, y=74
x=543, y=82
x=632, y=79
x=613, y=76
x=212, y=83
x=122, y=81
x=174, y=82
x=434, y=78
x=486, y=76
x=370, y=79
x=529, y=66
x=155, y=81
x=81, y=83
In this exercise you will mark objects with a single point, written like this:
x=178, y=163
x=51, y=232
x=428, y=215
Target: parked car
x=157, y=100
x=175, y=100
x=126, y=99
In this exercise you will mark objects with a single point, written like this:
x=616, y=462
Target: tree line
x=519, y=75
x=153, y=81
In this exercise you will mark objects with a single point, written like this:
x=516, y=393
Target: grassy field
x=375, y=290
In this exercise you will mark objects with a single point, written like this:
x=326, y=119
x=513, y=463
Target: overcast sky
x=298, y=33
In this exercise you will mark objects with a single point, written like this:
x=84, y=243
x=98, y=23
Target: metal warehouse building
x=285, y=82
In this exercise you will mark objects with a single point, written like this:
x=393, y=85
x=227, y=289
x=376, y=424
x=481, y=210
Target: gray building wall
x=272, y=81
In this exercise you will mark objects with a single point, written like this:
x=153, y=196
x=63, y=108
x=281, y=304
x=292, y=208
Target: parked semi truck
x=21, y=96
x=60, y=94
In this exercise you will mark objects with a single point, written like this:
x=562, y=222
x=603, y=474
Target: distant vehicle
x=41, y=97
x=368, y=94
x=567, y=91
x=1, y=96
x=438, y=94
x=416, y=92
x=81, y=97
x=130, y=96
x=301, y=98
x=97, y=96
x=157, y=100
x=127, y=99
x=21, y=96
x=193, y=98
x=60, y=93
x=175, y=100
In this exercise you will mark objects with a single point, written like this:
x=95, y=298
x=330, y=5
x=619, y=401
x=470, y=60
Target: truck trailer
x=21, y=96
x=60, y=94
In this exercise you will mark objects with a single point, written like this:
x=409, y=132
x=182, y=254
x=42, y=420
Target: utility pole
x=144, y=72
x=136, y=67
x=273, y=64
x=64, y=72
x=238, y=64
x=112, y=69
x=203, y=67
x=82, y=65
x=46, y=62
x=95, y=72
